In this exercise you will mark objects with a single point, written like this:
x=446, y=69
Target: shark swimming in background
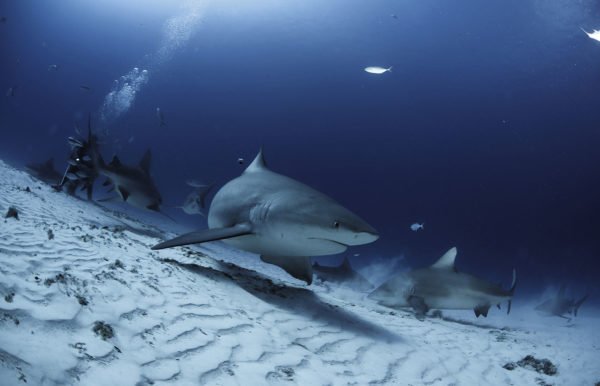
x=195, y=202
x=45, y=172
x=281, y=219
x=134, y=184
x=561, y=305
x=441, y=286
x=344, y=274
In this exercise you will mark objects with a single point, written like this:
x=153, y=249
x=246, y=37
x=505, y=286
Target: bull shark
x=281, y=219
x=133, y=184
x=45, y=172
x=344, y=273
x=195, y=202
x=561, y=305
x=441, y=286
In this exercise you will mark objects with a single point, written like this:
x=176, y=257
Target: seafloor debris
x=542, y=366
x=9, y=297
x=104, y=330
x=12, y=212
x=50, y=234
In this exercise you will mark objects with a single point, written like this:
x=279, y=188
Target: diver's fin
x=298, y=267
x=482, y=310
x=205, y=235
x=446, y=261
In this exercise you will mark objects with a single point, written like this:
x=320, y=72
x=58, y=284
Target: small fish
x=161, y=117
x=416, y=226
x=11, y=91
x=85, y=88
x=595, y=34
x=377, y=70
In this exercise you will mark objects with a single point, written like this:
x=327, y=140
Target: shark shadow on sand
x=293, y=299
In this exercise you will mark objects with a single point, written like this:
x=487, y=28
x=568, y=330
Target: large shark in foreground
x=280, y=219
x=441, y=286
x=561, y=305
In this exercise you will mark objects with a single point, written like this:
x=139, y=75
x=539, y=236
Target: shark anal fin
x=482, y=310
x=124, y=193
x=205, y=236
x=298, y=267
x=419, y=306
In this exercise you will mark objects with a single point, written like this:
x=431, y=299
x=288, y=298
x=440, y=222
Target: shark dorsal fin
x=446, y=261
x=258, y=164
x=115, y=161
x=346, y=264
x=562, y=291
x=146, y=160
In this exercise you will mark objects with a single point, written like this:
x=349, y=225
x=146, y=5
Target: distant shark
x=561, y=305
x=441, y=286
x=195, y=202
x=45, y=172
x=280, y=219
x=134, y=184
x=343, y=273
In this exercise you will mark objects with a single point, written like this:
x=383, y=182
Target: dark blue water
x=487, y=129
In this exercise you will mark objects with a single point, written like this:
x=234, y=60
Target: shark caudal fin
x=205, y=236
x=512, y=290
x=579, y=303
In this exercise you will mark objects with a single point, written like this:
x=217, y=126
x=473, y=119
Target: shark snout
x=360, y=238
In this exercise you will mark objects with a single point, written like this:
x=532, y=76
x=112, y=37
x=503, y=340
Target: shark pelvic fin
x=482, y=310
x=446, y=261
x=206, y=235
x=124, y=193
x=298, y=267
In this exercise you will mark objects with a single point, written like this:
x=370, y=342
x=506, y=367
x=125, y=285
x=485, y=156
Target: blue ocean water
x=486, y=129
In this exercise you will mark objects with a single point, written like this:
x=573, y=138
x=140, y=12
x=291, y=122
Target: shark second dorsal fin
x=258, y=164
x=446, y=261
x=146, y=160
x=115, y=161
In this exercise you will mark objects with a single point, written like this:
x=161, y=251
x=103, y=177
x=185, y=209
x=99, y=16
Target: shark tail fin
x=512, y=290
x=390, y=69
x=579, y=303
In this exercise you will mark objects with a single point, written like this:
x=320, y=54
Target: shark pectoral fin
x=482, y=310
x=298, y=267
x=204, y=236
x=419, y=306
x=124, y=193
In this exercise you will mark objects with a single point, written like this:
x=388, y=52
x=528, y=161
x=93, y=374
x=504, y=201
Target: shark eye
x=336, y=224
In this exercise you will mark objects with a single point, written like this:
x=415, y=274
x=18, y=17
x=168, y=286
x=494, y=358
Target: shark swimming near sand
x=281, y=219
x=561, y=305
x=441, y=286
x=134, y=184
